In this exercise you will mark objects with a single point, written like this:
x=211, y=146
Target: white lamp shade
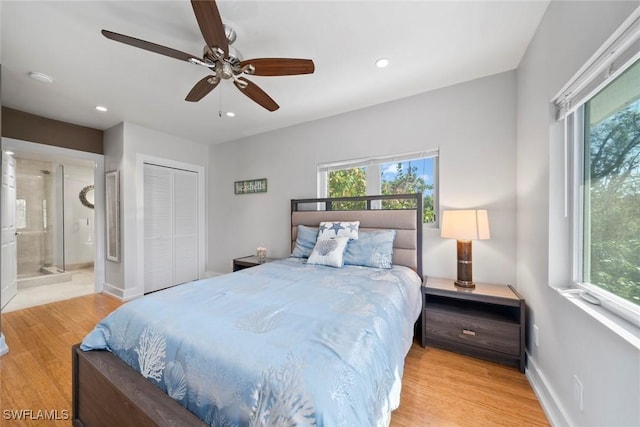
x=465, y=225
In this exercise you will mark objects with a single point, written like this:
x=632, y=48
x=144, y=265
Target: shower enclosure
x=40, y=224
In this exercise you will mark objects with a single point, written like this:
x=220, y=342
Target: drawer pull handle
x=469, y=332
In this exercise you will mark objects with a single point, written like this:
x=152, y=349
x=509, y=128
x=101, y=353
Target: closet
x=170, y=226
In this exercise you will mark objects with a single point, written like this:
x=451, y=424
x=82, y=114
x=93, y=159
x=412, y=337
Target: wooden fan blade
x=280, y=66
x=202, y=88
x=152, y=47
x=210, y=24
x=256, y=94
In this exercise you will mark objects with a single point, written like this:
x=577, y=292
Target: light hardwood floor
x=439, y=388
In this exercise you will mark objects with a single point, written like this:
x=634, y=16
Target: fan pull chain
x=220, y=103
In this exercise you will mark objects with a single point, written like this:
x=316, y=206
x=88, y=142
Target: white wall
x=473, y=124
x=122, y=145
x=570, y=342
x=79, y=233
x=113, y=143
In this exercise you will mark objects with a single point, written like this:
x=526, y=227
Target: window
x=402, y=174
x=610, y=207
x=600, y=110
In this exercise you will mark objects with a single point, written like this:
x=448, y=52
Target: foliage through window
x=611, y=192
x=347, y=183
x=411, y=176
x=403, y=175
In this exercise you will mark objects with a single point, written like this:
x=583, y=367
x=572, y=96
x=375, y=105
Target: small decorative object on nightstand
x=487, y=321
x=248, y=262
x=261, y=254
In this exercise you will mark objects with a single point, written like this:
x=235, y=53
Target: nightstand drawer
x=487, y=334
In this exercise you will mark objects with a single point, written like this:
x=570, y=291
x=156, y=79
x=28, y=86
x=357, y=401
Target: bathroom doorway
x=55, y=229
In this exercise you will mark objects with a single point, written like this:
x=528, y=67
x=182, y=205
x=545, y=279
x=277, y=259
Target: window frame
x=591, y=293
x=375, y=180
x=619, y=52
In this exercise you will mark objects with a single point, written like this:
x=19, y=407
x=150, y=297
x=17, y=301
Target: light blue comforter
x=281, y=344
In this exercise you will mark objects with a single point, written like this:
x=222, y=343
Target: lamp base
x=465, y=284
x=465, y=266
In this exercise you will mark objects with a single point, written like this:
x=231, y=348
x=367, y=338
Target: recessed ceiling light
x=101, y=108
x=41, y=77
x=231, y=114
x=382, y=62
x=9, y=153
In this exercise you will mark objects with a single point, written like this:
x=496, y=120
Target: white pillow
x=332, y=229
x=329, y=252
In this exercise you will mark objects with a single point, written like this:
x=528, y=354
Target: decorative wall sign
x=250, y=186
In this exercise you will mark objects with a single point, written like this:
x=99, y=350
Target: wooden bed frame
x=107, y=392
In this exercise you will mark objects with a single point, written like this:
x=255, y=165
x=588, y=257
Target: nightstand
x=248, y=262
x=487, y=321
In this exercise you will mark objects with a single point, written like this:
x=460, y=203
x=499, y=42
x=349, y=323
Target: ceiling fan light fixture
x=234, y=57
x=382, y=63
x=229, y=33
x=41, y=77
x=227, y=71
x=223, y=61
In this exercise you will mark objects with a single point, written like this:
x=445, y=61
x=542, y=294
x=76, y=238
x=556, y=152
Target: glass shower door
x=53, y=220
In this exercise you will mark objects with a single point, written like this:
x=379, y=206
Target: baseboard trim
x=121, y=294
x=3, y=345
x=548, y=400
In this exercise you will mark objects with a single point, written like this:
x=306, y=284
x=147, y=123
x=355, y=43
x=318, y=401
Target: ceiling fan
x=223, y=61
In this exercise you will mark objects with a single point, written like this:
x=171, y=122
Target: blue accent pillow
x=305, y=241
x=329, y=252
x=372, y=249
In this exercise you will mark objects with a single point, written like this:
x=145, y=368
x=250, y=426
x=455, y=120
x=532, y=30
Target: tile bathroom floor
x=81, y=283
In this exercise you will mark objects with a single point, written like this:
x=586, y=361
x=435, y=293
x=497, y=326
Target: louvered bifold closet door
x=158, y=239
x=185, y=243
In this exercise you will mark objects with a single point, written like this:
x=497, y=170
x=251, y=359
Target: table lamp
x=465, y=226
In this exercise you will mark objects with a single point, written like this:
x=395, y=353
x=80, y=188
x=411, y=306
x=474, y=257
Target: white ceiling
x=431, y=44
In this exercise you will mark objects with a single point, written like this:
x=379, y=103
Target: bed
x=288, y=342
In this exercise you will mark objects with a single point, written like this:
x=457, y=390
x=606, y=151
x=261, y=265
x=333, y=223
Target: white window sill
x=624, y=329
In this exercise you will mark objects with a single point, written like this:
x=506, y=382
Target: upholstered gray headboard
x=407, y=246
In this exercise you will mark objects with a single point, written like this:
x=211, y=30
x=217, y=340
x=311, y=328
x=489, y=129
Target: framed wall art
x=112, y=190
